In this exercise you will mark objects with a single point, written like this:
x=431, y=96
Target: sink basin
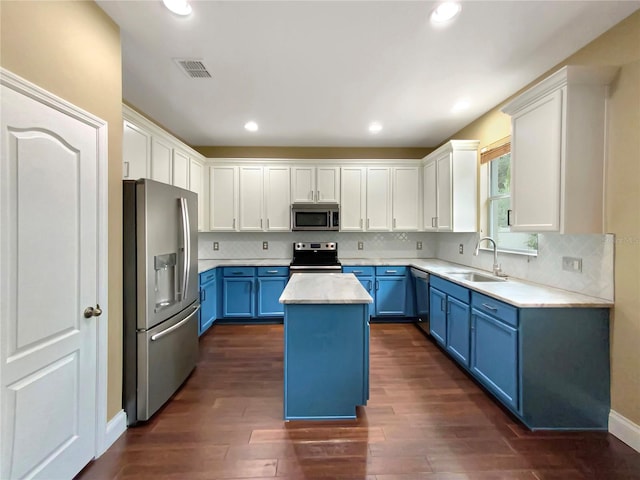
x=476, y=277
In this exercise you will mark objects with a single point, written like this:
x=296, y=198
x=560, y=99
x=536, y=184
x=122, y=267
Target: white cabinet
x=180, y=175
x=353, y=194
x=450, y=187
x=196, y=184
x=378, y=199
x=406, y=199
x=277, y=199
x=136, y=151
x=161, y=153
x=558, y=152
x=251, y=194
x=223, y=198
x=314, y=184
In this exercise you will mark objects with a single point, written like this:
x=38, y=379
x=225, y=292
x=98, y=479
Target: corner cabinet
x=450, y=187
x=558, y=152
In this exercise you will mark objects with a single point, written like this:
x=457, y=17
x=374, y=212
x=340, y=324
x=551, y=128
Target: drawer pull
x=272, y=271
x=489, y=307
x=237, y=273
x=357, y=271
x=390, y=271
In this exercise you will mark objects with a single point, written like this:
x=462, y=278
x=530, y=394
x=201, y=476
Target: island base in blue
x=326, y=360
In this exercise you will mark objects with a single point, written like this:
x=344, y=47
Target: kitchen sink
x=476, y=277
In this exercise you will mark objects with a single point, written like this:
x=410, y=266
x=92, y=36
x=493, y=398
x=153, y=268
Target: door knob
x=92, y=312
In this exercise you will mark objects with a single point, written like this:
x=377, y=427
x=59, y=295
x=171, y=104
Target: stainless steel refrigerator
x=161, y=303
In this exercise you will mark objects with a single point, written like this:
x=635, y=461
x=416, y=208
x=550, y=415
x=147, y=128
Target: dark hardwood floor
x=426, y=419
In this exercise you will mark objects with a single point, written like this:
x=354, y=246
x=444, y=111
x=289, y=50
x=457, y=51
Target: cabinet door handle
x=318, y=198
x=126, y=169
x=368, y=222
x=311, y=195
x=509, y=217
x=360, y=224
x=203, y=296
x=234, y=223
x=442, y=304
x=489, y=307
x=267, y=224
x=260, y=224
x=377, y=285
x=433, y=222
x=370, y=285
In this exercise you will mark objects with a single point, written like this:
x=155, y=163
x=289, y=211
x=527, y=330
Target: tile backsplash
x=596, y=252
x=376, y=245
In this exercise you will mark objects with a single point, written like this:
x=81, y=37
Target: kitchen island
x=326, y=346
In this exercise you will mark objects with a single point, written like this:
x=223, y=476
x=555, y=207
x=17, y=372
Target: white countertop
x=519, y=293
x=324, y=288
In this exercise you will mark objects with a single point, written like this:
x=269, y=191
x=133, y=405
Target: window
x=499, y=203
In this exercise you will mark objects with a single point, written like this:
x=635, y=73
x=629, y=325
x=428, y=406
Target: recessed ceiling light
x=375, y=127
x=460, y=105
x=251, y=126
x=445, y=12
x=179, y=7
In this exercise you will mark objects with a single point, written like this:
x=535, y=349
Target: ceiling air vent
x=193, y=68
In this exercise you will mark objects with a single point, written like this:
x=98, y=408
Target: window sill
x=512, y=252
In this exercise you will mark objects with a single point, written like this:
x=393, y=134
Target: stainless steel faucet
x=497, y=270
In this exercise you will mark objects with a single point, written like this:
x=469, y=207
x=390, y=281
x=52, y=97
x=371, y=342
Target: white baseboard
x=624, y=429
x=115, y=427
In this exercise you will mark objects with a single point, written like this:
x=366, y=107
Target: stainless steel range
x=315, y=257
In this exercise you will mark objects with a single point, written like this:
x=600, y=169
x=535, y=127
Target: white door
x=353, y=191
x=223, y=204
x=328, y=185
x=49, y=208
x=406, y=199
x=378, y=199
x=250, y=203
x=195, y=185
x=277, y=202
x=161, y=154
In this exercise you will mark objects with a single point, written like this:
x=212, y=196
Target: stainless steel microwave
x=315, y=216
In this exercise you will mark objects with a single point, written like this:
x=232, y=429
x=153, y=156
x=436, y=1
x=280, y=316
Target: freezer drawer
x=167, y=354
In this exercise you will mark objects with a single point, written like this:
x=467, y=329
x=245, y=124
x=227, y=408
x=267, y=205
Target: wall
x=619, y=46
x=312, y=152
x=376, y=245
x=72, y=49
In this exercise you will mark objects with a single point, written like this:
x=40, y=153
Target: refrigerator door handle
x=186, y=239
x=161, y=334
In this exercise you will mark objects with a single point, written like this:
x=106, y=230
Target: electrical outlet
x=360, y=245
x=265, y=245
x=572, y=264
x=216, y=246
x=418, y=245
x=460, y=248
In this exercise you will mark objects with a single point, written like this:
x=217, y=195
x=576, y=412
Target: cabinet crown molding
x=567, y=75
x=453, y=145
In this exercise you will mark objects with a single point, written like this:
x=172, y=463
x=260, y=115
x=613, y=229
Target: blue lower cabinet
x=269, y=291
x=494, y=356
x=239, y=298
x=438, y=315
x=208, y=300
x=458, y=330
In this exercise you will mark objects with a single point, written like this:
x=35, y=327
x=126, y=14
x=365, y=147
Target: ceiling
x=317, y=73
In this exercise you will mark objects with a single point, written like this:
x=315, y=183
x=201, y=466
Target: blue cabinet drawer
x=359, y=271
x=457, y=291
x=505, y=312
x=207, y=276
x=395, y=271
x=273, y=271
x=239, y=271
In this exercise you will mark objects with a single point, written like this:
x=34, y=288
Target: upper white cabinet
x=180, y=174
x=251, y=193
x=136, y=151
x=313, y=184
x=378, y=199
x=223, y=198
x=558, y=152
x=196, y=184
x=450, y=187
x=406, y=199
x=353, y=193
x=161, y=160
x=277, y=199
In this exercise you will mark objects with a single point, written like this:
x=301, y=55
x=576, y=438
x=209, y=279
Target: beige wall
x=72, y=49
x=619, y=46
x=313, y=152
